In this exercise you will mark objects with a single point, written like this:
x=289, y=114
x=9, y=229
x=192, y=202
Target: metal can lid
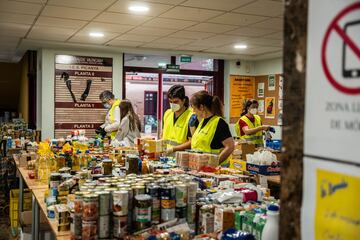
x=143, y=197
x=102, y=193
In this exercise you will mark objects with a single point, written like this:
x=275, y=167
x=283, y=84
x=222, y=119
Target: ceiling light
x=240, y=46
x=96, y=34
x=138, y=8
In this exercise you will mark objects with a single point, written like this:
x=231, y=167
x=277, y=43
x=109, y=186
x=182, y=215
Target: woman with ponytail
x=249, y=126
x=213, y=134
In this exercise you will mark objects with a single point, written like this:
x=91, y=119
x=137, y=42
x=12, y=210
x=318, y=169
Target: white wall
x=252, y=68
x=46, y=84
x=269, y=66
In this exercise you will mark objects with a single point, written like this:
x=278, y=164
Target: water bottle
x=271, y=228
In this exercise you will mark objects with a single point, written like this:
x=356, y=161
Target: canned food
x=120, y=203
x=154, y=192
x=120, y=225
x=206, y=219
x=192, y=189
x=167, y=195
x=89, y=230
x=78, y=203
x=55, y=180
x=107, y=166
x=181, y=195
x=167, y=214
x=191, y=213
x=104, y=203
x=104, y=226
x=181, y=212
x=138, y=190
x=142, y=211
x=76, y=225
x=90, y=207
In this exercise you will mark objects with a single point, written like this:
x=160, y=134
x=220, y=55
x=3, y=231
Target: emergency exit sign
x=185, y=59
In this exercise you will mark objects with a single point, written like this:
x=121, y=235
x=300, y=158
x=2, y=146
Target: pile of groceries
x=97, y=191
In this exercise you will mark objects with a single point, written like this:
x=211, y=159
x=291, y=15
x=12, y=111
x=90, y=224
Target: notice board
x=241, y=89
x=269, y=96
x=79, y=80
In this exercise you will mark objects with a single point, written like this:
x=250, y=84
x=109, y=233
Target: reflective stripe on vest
x=112, y=117
x=256, y=138
x=176, y=134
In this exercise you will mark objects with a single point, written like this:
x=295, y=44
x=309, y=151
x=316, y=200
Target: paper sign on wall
x=270, y=107
x=261, y=107
x=281, y=87
x=261, y=90
x=271, y=82
x=241, y=89
x=79, y=80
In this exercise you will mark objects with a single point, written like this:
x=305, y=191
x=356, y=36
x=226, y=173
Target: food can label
x=142, y=214
x=166, y=204
x=167, y=214
x=120, y=226
x=104, y=222
x=120, y=205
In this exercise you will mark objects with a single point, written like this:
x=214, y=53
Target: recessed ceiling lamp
x=139, y=8
x=96, y=34
x=240, y=46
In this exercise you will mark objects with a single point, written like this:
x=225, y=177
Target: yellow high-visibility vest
x=256, y=138
x=202, y=138
x=176, y=133
x=112, y=117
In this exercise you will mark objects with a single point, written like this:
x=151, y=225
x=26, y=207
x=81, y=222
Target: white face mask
x=253, y=111
x=106, y=105
x=175, y=107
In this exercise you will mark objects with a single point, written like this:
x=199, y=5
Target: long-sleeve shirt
x=108, y=125
x=125, y=134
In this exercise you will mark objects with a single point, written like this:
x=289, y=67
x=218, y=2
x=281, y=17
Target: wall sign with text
x=79, y=80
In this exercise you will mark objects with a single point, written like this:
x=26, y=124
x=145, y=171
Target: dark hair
x=212, y=103
x=178, y=91
x=106, y=95
x=127, y=108
x=247, y=104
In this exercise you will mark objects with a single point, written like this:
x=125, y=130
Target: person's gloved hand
x=271, y=129
x=169, y=150
x=100, y=131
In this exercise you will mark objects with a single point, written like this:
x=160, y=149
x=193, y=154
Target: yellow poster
x=337, y=213
x=241, y=89
x=270, y=107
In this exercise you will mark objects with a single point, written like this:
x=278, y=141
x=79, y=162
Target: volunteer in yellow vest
x=249, y=126
x=212, y=135
x=176, y=120
x=113, y=118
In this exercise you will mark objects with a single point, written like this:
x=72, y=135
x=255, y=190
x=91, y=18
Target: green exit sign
x=185, y=59
x=172, y=68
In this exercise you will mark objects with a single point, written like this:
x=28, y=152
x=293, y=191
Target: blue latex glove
x=192, y=120
x=271, y=129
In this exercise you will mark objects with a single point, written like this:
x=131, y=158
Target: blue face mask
x=106, y=105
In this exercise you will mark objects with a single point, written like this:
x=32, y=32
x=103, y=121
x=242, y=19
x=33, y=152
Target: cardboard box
x=224, y=218
x=244, y=148
x=264, y=169
x=26, y=218
x=238, y=164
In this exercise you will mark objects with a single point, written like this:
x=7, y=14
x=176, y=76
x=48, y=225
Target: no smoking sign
x=340, y=52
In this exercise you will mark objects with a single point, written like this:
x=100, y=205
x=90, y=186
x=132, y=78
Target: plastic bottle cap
x=273, y=207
